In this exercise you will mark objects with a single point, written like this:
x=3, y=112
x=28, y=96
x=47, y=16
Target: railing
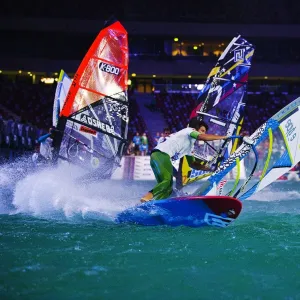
x=188, y=88
x=178, y=88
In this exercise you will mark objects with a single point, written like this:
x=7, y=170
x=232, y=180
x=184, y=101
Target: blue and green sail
x=271, y=151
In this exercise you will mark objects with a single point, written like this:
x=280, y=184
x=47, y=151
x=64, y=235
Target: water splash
x=9, y=175
x=53, y=192
x=279, y=191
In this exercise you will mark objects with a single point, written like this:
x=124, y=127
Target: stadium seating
x=176, y=108
x=33, y=106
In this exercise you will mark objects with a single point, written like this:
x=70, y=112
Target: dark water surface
x=58, y=241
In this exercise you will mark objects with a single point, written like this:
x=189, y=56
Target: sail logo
x=235, y=119
x=239, y=55
x=215, y=220
x=109, y=68
x=195, y=173
x=290, y=128
x=221, y=186
x=88, y=130
x=175, y=156
x=96, y=123
x=218, y=89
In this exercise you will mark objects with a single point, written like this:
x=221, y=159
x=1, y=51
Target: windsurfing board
x=192, y=211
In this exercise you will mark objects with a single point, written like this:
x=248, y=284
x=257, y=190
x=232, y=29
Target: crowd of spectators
x=17, y=138
x=176, y=108
x=33, y=103
x=137, y=128
x=32, y=112
x=139, y=145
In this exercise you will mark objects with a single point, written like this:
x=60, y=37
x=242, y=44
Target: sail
x=221, y=105
x=62, y=89
x=93, y=123
x=271, y=151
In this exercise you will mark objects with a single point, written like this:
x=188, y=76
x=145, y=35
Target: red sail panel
x=103, y=71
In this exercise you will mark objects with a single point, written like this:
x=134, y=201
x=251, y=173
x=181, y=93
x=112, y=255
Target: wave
x=288, y=191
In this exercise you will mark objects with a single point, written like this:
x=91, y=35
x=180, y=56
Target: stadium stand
x=32, y=103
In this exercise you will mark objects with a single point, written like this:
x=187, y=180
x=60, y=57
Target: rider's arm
x=43, y=137
x=206, y=137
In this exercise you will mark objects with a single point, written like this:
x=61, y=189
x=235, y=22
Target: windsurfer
x=45, y=145
x=174, y=147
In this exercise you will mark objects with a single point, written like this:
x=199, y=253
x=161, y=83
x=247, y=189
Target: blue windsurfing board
x=193, y=211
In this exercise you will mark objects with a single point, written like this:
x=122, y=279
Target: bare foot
x=147, y=197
